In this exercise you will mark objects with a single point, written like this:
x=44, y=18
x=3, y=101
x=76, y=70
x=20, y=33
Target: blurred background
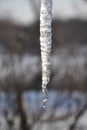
x=20, y=67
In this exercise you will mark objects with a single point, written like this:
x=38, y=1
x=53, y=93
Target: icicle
x=45, y=42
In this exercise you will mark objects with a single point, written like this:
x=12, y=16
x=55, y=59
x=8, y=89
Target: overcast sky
x=20, y=11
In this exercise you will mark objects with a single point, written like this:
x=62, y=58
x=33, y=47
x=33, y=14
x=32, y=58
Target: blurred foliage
x=25, y=39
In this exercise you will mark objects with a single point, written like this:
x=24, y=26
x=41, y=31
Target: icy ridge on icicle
x=45, y=42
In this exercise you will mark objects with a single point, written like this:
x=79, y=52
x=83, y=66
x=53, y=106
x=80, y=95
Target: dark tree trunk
x=20, y=110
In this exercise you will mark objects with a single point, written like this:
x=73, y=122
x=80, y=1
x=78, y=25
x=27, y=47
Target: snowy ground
x=69, y=67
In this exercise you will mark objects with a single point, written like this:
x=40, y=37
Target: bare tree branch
x=78, y=116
